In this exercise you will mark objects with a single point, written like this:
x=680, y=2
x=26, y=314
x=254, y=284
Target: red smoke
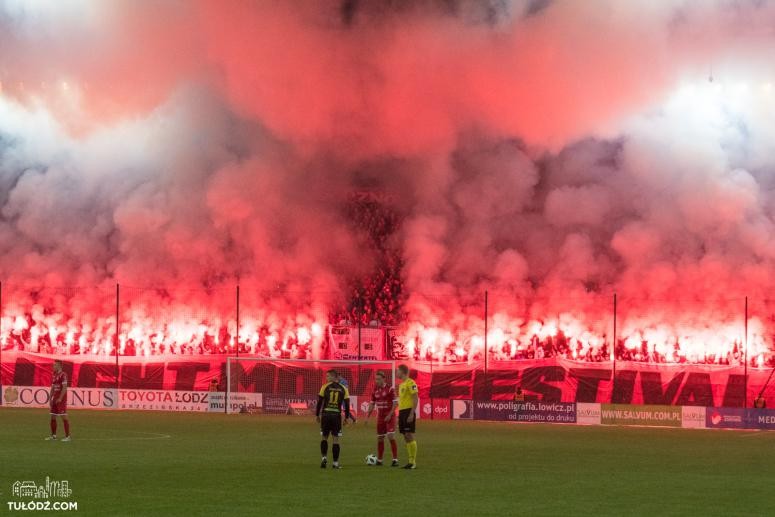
x=536, y=150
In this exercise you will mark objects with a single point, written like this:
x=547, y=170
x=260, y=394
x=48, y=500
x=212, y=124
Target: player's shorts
x=383, y=427
x=59, y=408
x=404, y=426
x=330, y=423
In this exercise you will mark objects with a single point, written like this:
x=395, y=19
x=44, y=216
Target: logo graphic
x=11, y=395
x=693, y=417
x=715, y=418
x=364, y=406
x=462, y=409
x=588, y=413
x=50, y=489
x=427, y=409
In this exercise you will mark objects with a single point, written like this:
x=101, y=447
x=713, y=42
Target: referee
x=408, y=400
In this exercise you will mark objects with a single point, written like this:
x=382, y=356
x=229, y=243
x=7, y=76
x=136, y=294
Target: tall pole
x=360, y=322
x=430, y=392
x=746, y=352
x=613, y=352
x=355, y=386
x=227, y=388
x=1, y=342
x=115, y=338
x=237, y=343
x=486, y=316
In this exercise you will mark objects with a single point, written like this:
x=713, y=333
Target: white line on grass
x=153, y=436
x=759, y=432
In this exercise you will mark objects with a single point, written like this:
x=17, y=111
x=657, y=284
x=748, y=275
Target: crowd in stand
x=561, y=347
x=37, y=339
x=376, y=298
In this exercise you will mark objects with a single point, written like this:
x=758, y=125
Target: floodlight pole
x=613, y=352
x=115, y=338
x=237, y=339
x=360, y=322
x=227, y=391
x=486, y=316
x=745, y=403
x=1, y=342
x=430, y=392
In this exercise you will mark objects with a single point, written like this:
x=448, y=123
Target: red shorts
x=59, y=408
x=383, y=427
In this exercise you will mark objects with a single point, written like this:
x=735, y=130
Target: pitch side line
x=153, y=436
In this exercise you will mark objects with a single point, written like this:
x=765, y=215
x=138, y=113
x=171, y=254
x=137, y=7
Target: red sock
x=53, y=427
x=67, y=427
x=394, y=449
x=380, y=449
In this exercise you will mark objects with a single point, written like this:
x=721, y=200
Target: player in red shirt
x=384, y=398
x=58, y=400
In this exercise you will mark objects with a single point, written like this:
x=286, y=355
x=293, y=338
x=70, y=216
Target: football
x=371, y=459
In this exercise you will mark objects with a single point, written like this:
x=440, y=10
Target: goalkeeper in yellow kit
x=408, y=400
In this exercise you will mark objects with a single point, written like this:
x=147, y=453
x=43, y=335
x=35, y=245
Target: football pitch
x=143, y=463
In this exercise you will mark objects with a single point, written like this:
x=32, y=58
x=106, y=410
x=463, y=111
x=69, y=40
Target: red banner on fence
x=549, y=380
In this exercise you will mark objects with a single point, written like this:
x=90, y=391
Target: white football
x=371, y=459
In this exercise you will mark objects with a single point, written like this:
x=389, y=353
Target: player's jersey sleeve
x=374, y=396
x=346, y=394
x=392, y=395
x=64, y=380
x=323, y=390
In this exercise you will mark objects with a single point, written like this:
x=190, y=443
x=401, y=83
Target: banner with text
x=626, y=414
x=436, y=409
x=549, y=412
x=549, y=380
x=738, y=418
x=343, y=342
x=761, y=418
x=82, y=398
x=144, y=400
x=693, y=417
x=588, y=413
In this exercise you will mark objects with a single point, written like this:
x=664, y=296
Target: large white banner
x=238, y=402
x=82, y=398
x=164, y=400
x=145, y=400
x=588, y=413
x=693, y=417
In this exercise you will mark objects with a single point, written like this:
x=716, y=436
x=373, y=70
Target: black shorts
x=403, y=425
x=330, y=423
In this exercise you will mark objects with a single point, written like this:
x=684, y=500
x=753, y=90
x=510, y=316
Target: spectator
x=214, y=387
x=518, y=395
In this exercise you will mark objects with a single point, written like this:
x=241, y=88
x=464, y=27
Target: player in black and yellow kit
x=331, y=399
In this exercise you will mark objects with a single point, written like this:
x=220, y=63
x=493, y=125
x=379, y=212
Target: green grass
x=261, y=465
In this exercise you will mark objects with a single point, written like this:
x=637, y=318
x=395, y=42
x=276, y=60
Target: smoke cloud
x=552, y=153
